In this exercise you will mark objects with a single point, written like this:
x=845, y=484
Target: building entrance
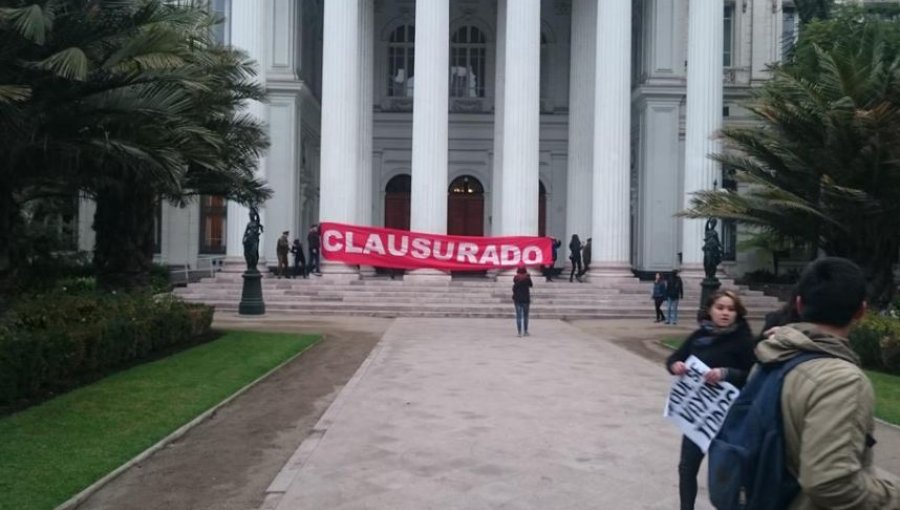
x=465, y=207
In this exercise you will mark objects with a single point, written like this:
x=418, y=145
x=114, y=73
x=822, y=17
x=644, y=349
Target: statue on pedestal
x=251, y=240
x=712, y=250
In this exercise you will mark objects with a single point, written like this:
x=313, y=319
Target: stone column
x=580, y=165
x=499, y=95
x=521, y=120
x=338, y=194
x=248, y=29
x=428, y=207
x=366, y=100
x=704, y=116
x=612, y=142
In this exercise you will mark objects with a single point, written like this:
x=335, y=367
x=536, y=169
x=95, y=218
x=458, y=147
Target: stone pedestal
x=251, y=294
x=707, y=288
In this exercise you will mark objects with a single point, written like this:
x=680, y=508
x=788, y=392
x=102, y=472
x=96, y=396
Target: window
x=728, y=43
x=213, y=217
x=401, y=61
x=729, y=227
x=468, y=56
x=790, y=25
x=222, y=11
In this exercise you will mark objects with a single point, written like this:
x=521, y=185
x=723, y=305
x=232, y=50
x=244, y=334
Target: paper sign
x=698, y=408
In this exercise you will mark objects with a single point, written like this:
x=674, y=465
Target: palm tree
x=128, y=102
x=823, y=161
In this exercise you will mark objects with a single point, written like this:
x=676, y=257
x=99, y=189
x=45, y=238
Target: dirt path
x=227, y=462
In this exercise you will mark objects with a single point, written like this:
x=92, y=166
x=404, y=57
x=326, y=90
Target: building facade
x=492, y=117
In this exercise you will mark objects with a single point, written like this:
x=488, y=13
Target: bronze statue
x=712, y=249
x=251, y=240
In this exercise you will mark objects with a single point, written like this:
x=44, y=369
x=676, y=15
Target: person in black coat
x=575, y=257
x=724, y=343
x=522, y=299
x=299, y=259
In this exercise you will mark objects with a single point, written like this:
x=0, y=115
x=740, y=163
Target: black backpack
x=747, y=465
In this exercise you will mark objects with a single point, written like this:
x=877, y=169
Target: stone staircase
x=382, y=297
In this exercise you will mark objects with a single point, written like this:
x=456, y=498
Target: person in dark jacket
x=548, y=271
x=724, y=343
x=522, y=299
x=674, y=293
x=659, y=296
x=299, y=259
x=575, y=257
x=586, y=257
x=312, y=243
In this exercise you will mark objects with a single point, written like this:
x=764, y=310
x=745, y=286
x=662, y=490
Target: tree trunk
x=877, y=264
x=123, y=255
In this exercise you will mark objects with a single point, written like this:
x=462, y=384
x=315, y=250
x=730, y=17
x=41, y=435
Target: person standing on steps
x=659, y=295
x=548, y=272
x=299, y=259
x=575, y=257
x=585, y=258
x=522, y=299
x=281, y=250
x=674, y=293
x=312, y=241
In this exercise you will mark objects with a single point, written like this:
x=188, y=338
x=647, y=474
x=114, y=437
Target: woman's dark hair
x=521, y=270
x=575, y=238
x=738, y=304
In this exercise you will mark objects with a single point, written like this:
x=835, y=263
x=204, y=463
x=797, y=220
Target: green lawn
x=50, y=452
x=887, y=388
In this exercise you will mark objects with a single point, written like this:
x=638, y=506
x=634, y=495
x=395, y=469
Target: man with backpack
x=800, y=434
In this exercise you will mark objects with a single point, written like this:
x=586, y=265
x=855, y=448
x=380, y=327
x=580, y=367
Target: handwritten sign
x=699, y=408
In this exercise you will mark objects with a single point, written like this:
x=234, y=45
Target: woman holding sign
x=724, y=343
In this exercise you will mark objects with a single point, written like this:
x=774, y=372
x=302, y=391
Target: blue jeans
x=522, y=317
x=673, y=311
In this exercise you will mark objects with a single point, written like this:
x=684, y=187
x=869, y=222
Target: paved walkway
x=443, y=416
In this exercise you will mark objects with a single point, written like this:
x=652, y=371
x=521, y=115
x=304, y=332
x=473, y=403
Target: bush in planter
x=51, y=342
x=876, y=339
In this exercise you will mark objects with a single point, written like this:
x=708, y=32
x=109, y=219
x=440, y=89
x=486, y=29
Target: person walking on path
x=586, y=257
x=724, y=343
x=299, y=259
x=312, y=242
x=674, y=293
x=522, y=299
x=659, y=295
x=827, y=403
x=282, y=247
x=575, y=257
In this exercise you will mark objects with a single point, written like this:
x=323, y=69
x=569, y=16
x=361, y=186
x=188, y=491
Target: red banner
x=401, y=249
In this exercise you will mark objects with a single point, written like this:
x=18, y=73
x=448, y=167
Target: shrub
x=49, y=343
x=876, y=339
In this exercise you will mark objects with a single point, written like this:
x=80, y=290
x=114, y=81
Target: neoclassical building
x=492, y=117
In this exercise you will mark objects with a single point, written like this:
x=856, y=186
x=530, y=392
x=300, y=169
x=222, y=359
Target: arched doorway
x=396, y=202
x=465, y=207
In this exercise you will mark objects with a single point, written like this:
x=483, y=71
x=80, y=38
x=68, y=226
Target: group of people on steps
x=300, y=269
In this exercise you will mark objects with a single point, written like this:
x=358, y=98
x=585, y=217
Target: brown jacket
x=827, y=406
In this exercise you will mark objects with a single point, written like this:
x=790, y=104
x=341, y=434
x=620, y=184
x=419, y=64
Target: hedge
x=876, y=339
x=51, y=343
